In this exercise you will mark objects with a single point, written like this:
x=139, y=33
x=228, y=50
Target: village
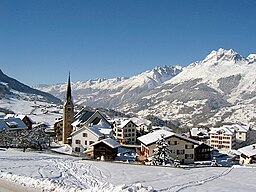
x=93, y=135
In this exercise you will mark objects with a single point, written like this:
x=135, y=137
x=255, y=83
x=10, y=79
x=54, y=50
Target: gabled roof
x=141, y=121
x=81, y=117
x=94, y=120
x=249, y=150
x=95, y=131
x=85, y=117
x=151, y=138
x=123, y=123
x=108, y=141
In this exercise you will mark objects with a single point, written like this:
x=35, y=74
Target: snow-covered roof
x=123, y=123
x=105, y=131
x=93, y=130
x=103, y=124
x=140, y=121
x=237, y=127
x=18, y=116
x=9, y=116
x=15, y=123
x=195, y=132
x=249, y=150
x=81, y=117
x=161, y=127
x=154, y=136
x=225, y=130
x=108, y=141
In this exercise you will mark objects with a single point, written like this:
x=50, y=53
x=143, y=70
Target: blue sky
x=41, y=41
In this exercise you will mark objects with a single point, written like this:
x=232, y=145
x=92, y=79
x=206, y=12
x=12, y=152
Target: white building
x=229, y=137
x=143, y=125
x=125, y=131
x=222, y=138
x=241, y=131
x=182, y=148
x=248, y=154
x=83, y=138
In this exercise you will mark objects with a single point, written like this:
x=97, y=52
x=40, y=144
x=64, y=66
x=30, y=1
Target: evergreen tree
x=162, y=153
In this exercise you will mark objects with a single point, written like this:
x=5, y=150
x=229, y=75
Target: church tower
x=68, y=114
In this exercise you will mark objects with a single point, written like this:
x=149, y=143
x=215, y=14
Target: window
x=78, y=141
x=189, y=146
x=172, y=142
x=85, y=142
x=180, y=152
x=77, y=149
x=91, y=142
x=189, y=156
x=84, y=134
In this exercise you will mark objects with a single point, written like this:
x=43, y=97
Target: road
x=7, y=186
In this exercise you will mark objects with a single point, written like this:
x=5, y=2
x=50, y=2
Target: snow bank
x=49, y=185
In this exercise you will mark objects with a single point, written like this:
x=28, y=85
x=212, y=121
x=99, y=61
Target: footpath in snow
x=59, y=173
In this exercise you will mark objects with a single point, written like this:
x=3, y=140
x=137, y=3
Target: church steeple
x=68, y=114
x=68, y=96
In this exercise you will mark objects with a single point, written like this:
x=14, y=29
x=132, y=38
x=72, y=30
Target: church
x=82, y=129
x=68, y=115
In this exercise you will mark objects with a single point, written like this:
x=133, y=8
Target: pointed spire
x=68, y=88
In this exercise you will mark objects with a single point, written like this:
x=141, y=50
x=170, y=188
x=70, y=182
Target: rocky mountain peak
x=251, y=58
x=223, y=55
x=167, y=70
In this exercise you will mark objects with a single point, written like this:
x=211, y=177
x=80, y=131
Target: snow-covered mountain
x=12, y=90
x=118, y=92
x=219, y=89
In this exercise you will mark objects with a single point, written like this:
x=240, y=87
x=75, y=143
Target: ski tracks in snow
x=178, y=188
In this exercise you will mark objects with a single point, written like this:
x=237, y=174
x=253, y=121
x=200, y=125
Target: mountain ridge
x=8, y=84
x=221, y=88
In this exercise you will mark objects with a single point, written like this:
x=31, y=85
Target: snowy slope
x=8, y=85
x=39, y=111
x=57, y=173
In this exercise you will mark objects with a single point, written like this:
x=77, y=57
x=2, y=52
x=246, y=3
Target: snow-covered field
x=52, y=172
x=40, y=112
